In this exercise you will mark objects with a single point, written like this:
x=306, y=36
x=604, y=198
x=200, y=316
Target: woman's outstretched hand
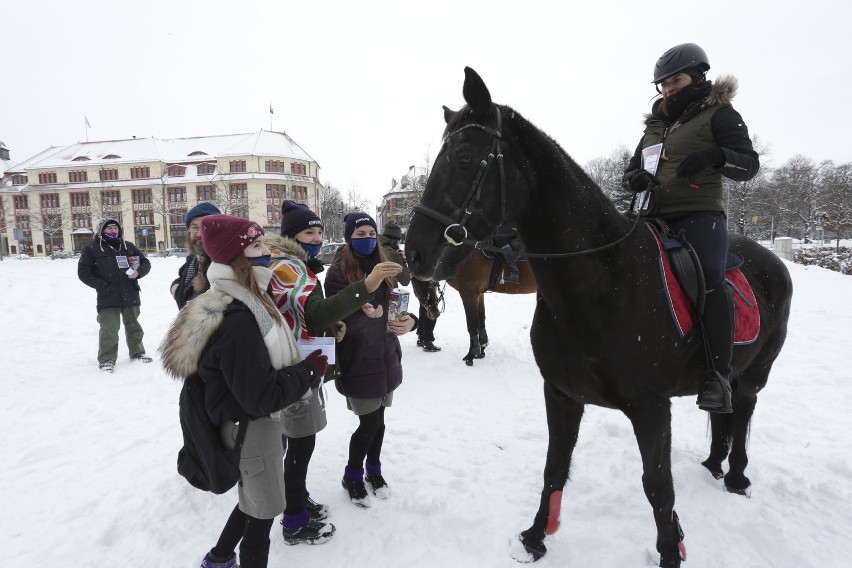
x=381, y=271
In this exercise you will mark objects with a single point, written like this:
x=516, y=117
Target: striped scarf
x=292, y=282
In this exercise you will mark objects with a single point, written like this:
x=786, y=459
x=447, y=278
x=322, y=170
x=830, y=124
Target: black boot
x=714, y=393
x=429, y=346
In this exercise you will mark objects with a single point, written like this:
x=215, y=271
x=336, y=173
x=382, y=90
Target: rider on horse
x=701, y=138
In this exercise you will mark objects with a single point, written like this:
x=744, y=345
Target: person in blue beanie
x=369, y=357
x=192, y=276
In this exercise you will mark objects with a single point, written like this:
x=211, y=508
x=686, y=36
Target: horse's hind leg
x=720, y=443
x=563, y=425
x=652, y=424
x=471, y=305
x=744, y=401
x=481, y=333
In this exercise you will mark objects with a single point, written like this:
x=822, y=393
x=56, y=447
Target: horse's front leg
x=563, y=425
x=652, y=425
x=471, y=303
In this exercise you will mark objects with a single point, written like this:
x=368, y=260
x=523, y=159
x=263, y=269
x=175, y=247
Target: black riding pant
x=707, y=232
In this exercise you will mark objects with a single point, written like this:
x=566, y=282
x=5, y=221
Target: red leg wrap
x=554, y=507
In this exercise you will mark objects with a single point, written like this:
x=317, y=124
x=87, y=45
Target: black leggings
x=299, y=452
x=366, y=441
x=253, y=532
x=707, y=232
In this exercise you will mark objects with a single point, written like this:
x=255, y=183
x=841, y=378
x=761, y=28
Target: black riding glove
x=639, y=180
x=701, y=160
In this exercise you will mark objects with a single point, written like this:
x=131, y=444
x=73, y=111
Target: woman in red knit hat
x=232, y=337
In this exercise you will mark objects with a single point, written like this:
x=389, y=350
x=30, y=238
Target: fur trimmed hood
x=723, y=91
x=188, y=335
x=282, y=246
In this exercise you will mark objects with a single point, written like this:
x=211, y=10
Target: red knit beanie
x=224, y=237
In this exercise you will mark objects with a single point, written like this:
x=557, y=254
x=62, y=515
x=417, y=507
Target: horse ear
x=448, y=114
x=475, y=92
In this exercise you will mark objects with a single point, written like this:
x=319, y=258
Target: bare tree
x=794, y=194
x=51, y=224
x=835, y=211
x=745, y=201
x=332, y=211
x=607, y=172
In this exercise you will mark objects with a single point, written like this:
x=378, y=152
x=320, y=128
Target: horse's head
x=473, y=193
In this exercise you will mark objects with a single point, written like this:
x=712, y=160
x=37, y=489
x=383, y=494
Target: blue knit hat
x=296, y=217
x=202, y=209
x=354, y=220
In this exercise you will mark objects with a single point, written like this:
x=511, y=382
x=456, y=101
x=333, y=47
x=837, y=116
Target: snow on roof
x=175, y=150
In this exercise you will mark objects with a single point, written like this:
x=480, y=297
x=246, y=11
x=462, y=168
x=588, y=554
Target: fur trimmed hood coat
x=219, y=338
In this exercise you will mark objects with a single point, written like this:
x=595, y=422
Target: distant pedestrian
x=192, y=276
x=113, y=266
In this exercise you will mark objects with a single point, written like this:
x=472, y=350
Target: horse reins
x=457, y=234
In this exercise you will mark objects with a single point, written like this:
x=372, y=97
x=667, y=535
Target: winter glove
x=317, y=363
x=698, y=161
x=338, y=330
x=639, y=180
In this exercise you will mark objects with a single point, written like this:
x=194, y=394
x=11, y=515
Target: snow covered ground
x=88, y=468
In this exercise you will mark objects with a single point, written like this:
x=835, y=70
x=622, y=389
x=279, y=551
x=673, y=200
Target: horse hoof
x=527, y=550
x=468, y=361
x=479, y=356
x=745, y=492
x=714, y=469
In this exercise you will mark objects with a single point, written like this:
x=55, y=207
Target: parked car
x=328, y=251
x=176, y=252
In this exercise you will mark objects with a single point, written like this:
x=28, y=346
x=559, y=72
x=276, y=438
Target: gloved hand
x=317, y=363
x=338, y=330
x=639, y=180
x=700, y=160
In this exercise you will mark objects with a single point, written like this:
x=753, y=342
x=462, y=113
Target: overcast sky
x=359, y=85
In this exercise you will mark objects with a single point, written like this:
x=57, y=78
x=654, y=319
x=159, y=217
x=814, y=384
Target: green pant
x=110, y=319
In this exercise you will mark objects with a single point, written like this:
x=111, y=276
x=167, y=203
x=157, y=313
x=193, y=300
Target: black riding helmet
x=680, y=58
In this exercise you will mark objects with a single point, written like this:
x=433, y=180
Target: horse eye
x=465, y=160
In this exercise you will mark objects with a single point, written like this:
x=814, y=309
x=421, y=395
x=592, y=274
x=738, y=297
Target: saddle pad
x=746, y=314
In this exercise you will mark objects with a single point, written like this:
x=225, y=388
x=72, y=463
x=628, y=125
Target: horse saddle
x=683, y=282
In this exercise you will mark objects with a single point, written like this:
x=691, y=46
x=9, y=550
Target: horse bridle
x=457, y=234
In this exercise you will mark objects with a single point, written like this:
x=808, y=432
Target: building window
x=49, y=200
x=140, y=172
x=78, y=176
x=19, y=179
x=205, y=193
x=298, y=168
x=206, y=169
x=198, y=153
x=111, y=202
x=177, y=205
x=81, y=159
x=300, y=193
x=111, y=157
x=237, y=166
x=80, y=199
x=276, y=191
x=108, y=175
x=239, y=200
x=141, y=196
x=275, y=167
x=47, y=177
x=273, y=214
x=2, y=216
x=20, y=202
x=81, y=220
x=177, y=195
x=143, y=218
x=177, y=171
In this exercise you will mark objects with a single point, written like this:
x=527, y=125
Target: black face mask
x=677, y=103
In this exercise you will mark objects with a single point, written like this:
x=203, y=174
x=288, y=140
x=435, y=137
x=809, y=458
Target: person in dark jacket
x=113, y=267
x=299, y=297
x=233, y=337
x=192, y=276
x=369, y=356
x=693, y=137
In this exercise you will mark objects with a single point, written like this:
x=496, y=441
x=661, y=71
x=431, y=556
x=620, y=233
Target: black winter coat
x=370, y=357
x=99, y=268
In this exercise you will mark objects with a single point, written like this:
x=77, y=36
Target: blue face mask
x=364, y=247
x=312, y=250
x=260, y=260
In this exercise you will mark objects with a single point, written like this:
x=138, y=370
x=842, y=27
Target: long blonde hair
x=244, y=276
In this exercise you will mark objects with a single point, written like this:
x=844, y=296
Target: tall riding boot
x=512, y=275
x=714, y=394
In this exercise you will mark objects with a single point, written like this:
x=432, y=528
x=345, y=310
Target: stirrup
x=714, y=393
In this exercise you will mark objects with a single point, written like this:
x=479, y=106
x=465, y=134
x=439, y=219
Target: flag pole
x=270, y=116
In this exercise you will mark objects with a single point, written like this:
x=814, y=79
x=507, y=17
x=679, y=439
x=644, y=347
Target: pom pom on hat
x=296, y=217
x=224, y=237
x=392, y=231
x=201, y=210
x=354, y=220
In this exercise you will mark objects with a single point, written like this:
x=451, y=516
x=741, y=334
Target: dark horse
x=601, y=333
x=471, y=279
